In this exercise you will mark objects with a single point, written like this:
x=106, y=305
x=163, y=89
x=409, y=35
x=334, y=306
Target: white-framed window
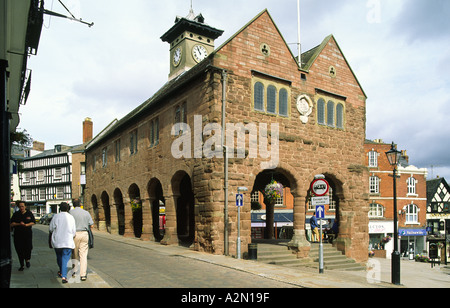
x=411, y=184
x=373, y=159
x=42, y=195
x=374, y=185
x=40, y=175
x=27, y=177
x=60, y=193
x=412, y=214
x=254, y=196
x=58, y=173
x=28, y=195
x=376, y=210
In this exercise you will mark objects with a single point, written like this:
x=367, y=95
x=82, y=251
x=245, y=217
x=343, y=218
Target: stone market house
x=147, y=163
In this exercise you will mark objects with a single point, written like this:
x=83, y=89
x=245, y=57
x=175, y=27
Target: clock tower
x=191, y=41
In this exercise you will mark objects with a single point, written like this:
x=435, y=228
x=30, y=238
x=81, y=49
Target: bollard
x=252, y=251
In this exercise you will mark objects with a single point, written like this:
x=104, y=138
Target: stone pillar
x=129, y=231
x=147, y=225
x=299, y=242
x=170, y=235
x=114, y=220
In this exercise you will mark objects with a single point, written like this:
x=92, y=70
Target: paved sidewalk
x=43, y=270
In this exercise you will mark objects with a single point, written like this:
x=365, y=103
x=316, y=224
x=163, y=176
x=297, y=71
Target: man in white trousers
x=83, y=222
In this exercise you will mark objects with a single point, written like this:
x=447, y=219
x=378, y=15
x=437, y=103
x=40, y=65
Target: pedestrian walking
x=21, y=223
x=84, y=223
x=314, y=228
x=63, y=231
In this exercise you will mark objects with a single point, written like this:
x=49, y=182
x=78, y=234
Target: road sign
x=320, y=187
x=320, y=200
x=320, y=211
x=239, y=199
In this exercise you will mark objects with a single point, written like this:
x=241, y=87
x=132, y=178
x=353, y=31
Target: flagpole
x=299, y=36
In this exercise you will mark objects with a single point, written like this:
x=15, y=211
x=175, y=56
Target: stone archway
x=184, y=205
x=262, y=179
x=157, y=207
x=120, y=209
x=97, y=215
x=106, y=224
x=136, y=209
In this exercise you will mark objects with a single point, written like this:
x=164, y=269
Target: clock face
x=177, y=56
x=199, y=53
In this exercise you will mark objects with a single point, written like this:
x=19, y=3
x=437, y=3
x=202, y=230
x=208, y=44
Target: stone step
x=281, y=255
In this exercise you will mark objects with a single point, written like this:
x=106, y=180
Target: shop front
x=381, y=244
x=413, y=242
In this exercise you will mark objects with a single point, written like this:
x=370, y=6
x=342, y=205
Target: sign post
x=320, y=188
x=239, y=204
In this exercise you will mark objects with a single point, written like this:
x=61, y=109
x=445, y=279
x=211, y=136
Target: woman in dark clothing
x=22, y=221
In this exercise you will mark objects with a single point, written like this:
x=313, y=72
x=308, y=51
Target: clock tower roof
x=193, y=24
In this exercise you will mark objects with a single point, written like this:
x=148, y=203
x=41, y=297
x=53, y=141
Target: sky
x=398, y=49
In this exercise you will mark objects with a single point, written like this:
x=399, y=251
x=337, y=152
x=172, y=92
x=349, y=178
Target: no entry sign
x=320, y=187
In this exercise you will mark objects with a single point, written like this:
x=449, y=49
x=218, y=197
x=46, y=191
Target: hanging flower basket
x=386, y=239
x=136, y=205
x=273, y=191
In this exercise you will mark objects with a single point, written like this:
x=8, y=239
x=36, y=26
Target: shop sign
x=412, y=232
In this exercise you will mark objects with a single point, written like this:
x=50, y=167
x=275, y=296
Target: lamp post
x=393, y=156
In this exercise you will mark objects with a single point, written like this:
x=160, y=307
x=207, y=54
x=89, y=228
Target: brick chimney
x=87, y=130
x=38, y=146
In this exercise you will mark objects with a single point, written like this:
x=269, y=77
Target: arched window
x=330, y=113
x=259, y=96
x=271, y=99
x=340, y=116
x=283, y=102
x=412, y=214
x=411, y=183
x=321, y=111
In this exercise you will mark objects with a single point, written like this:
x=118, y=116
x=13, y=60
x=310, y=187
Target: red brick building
x=299, y=121
x=411, y=202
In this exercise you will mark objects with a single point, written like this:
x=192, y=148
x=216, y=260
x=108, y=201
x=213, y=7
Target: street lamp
x=393, y=156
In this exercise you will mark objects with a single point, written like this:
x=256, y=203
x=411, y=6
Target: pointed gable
x=328, y=55
x=260, y=46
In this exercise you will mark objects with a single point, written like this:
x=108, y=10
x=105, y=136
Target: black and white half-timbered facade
x=438, y=218
x=45, y=180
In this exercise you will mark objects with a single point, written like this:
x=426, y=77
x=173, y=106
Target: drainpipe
x=225, y=150
x=5, y=188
